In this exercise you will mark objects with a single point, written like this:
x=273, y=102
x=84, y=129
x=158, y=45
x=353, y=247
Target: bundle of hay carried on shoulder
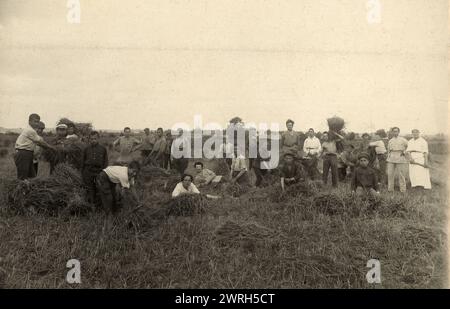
x=71, y=150
x=82, y=129
x=62, y=191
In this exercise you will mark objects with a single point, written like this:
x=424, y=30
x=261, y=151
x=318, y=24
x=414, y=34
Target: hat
x=363, y=155
x=61, y=126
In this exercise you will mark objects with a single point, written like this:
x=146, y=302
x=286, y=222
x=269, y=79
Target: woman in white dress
x=417, y=151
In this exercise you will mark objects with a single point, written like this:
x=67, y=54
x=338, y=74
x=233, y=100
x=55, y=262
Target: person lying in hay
x=185, y=186
x=205, y=176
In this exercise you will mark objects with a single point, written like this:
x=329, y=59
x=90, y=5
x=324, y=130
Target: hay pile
x=329, y=203
x=3, y=152
x=336, y=124
x=301, y=189
x=187, y=205
x=143, y=217
x=62, y=191
x=222, y=168
x=236, y=190
x=232, y=234
x=82, y=129
x=70, y=152
x=155, y=179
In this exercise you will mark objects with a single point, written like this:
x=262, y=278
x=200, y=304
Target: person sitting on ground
x=364, y=180
x=205, y=176
x=109, y=177
x=185, y=186
x=291, y=172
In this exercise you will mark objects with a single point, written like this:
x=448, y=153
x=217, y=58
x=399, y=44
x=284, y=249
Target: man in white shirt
x=110, y=177
x=25, y=147
x=417, y=152
x=312, y=149
x=185, y=186
x=397, y=165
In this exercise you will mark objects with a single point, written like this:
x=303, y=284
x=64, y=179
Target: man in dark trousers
x=291, y=172
x=364, y=180
x=25, y=146
x=95, y=159
x=330, y=156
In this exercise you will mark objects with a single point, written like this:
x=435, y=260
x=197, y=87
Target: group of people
x=370, y=164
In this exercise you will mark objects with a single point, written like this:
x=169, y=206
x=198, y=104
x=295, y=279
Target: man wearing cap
x=417, y=152
x=397, y=164
x=25, y=146
x=60, y=143
x=290, y=139
x=291, y=172
x=364, y=180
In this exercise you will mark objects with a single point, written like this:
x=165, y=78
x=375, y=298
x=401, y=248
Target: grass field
x=247, y=242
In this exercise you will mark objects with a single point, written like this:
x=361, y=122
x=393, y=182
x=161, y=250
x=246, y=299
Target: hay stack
x=222, y=167
x=336, y=124
x=301, y=189
x=155, y=179
x=329, y=203
x=187, y=205
x=82, y=129
x=236, y=190
x=232, y=233
x=3, y=152
x=62, y=190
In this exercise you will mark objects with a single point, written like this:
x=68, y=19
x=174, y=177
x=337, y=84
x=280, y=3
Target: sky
x=142, y=63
